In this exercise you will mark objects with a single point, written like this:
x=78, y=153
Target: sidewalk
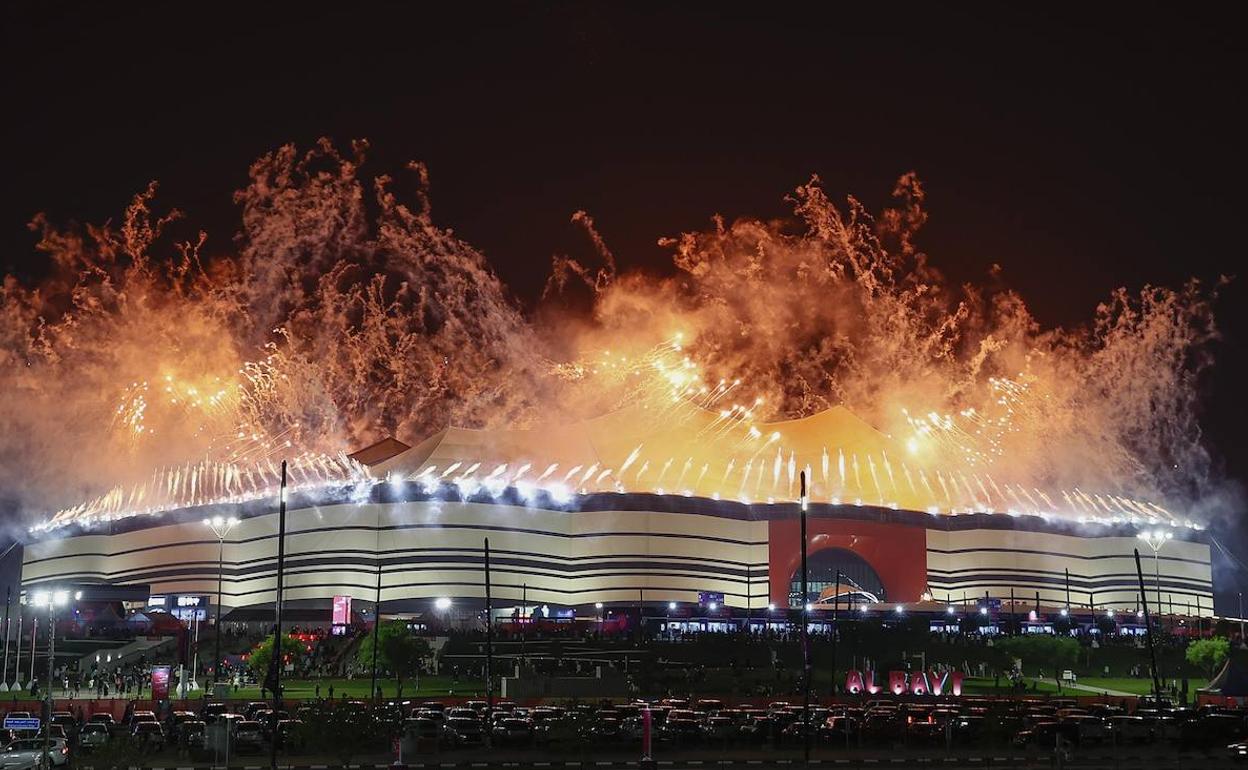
x=1092, y=690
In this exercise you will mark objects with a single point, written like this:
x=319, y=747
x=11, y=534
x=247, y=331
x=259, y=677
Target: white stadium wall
x=611, y=548
x=1102, y=571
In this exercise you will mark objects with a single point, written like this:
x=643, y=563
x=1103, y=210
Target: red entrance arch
x=897, y=553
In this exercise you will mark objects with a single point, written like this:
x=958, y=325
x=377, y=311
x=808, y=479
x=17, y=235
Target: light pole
x=805, y=607
x=51, y=600
x=8, y=603
x=1241, y=619
x=1156, y=539
x=220, y=527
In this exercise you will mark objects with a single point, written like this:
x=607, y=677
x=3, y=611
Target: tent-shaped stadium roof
x=686, y=450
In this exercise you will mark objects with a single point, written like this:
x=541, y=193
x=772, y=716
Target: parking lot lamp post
x=1156, y=539
x=220, y=527
x=51, y=600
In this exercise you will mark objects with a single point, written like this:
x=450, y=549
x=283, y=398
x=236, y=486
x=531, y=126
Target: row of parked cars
x=218, y=730
x=223, y=730
x=967, y=723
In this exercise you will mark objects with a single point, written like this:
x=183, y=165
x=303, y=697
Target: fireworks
x=142, y=376
x=209, y=483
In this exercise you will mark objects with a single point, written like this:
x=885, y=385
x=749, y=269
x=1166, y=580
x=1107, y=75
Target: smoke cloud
x=345, y=314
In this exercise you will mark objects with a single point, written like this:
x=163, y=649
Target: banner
x=342, y=610
x=160, y=683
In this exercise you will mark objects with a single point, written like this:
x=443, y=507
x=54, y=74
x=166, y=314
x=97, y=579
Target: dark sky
x=1080, y=149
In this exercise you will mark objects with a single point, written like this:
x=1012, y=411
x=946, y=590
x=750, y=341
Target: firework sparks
x=333, y=327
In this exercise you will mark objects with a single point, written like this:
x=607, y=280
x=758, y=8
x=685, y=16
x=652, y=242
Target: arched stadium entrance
x=859, y=580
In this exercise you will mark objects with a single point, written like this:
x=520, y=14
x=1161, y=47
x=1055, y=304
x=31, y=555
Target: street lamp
x=220, y=527
x=1156, y=539
x=1242, y=640
x=51, y=600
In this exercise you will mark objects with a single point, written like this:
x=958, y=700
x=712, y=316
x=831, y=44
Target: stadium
x=657, y=509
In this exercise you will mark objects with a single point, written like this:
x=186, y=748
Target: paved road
x=1095, y=759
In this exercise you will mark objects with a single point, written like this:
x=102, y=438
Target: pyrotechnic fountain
x=143, y=377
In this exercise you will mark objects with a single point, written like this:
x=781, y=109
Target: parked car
x=682, y=726
x=192, y=733
x=148, y=736
x=1048, y=735
x=757, y=730
x=212, y=711
x=514, y=731
x=720, y=729
x=68, y=723
x=142, y=716
x=288, y=733
x=1130, y=729
x=1238, y=751
x=28, y=753
x=838, y=728
x=248, y=736
x=1088, y=729
x=605, y=730
x=551, y=730
x=421, y=735
x=1211, y=730
x=464, y=731
x=92, y=736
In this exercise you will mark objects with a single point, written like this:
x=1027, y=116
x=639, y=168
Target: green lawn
x=1137, y=686
x=439, y=686
x=984, y=686
x=430, y=686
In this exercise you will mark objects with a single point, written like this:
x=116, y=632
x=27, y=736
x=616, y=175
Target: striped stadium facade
x=612, y=548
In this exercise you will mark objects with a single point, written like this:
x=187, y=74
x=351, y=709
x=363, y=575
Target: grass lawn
x=439, y=686
x=973, y=685
x=1137, y=686
x=430, y=686
x=983, y=686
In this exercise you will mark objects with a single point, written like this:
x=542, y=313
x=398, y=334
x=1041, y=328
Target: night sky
x=1079, y=149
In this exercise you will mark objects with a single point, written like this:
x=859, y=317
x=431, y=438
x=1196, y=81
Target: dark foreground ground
x=535, y=759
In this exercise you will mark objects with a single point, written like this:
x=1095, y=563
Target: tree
x=262, y=654
x=398, y=651
x=1045, y=651
x=1208, y=654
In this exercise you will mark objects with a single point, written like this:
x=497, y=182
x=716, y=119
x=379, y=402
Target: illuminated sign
x=160, y=683
x=342, y=610
x=186, y=607
x=903, y=682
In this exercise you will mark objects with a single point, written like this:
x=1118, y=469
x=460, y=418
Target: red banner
x=342, y=610
x=160, y=683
